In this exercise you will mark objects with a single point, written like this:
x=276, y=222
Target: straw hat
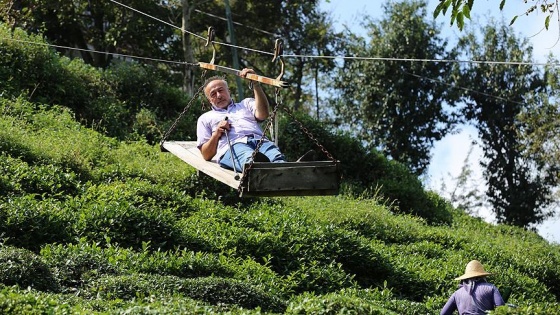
x=474, y=269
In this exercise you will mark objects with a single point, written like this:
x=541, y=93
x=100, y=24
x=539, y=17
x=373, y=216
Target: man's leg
x=241, y=154
x=271, y=151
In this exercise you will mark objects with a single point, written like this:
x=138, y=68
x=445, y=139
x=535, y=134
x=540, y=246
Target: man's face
x=217, y=93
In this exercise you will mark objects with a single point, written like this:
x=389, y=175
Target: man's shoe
x=309, y=156
x=260, y=157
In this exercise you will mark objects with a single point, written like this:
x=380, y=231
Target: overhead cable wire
x=186, y=31
x=515, y=63
x=196, y=64
x=101, y=52
x=307, y=56
x=236, y=23
x=463, y=88
x=155, y=18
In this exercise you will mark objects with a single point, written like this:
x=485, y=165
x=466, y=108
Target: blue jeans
x=242, y=153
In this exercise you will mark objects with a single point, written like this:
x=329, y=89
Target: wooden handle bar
x=250, y=76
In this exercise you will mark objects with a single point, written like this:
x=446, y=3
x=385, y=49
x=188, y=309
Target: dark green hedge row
x=367, y=172
x=127, y=100
x=130, y=100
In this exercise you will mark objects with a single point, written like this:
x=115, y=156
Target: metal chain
x=185, y=110
x=308, y=133
x=261, y=141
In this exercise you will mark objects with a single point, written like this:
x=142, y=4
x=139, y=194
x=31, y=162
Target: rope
x=297, y=56
x=100, y=52
x=155, y=18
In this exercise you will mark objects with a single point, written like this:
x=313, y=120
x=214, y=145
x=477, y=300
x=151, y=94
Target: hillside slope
x=93, y=225
x=96, y=220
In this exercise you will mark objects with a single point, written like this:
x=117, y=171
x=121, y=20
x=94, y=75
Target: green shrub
x=49, y=181
x=354, y=301
x=28, y=222
x=102, y=214
x=44, y=136
x=212, y=290
x=545, y=308
x=73, y=265
x=15, y=302
x=321, y=277
x=334, y=304
x=25, y=269
x=25, y=68
x=54, y=80
x=153, y=100
x=180, y=263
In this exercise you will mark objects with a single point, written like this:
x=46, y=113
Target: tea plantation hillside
x=93, y=225
x=97, y=224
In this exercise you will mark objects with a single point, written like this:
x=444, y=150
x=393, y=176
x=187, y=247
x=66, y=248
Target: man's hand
x=223, y=126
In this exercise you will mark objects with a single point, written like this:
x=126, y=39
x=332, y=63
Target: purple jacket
x=473, y=297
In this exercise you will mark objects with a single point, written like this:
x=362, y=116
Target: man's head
x=217, y=92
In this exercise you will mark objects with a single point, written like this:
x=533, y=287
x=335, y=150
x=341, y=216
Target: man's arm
x=210, y=147
x=261, y=101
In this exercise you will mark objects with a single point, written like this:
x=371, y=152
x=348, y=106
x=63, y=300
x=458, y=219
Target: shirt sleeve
x=203, y=131
x=450, y=306
x=498, y=300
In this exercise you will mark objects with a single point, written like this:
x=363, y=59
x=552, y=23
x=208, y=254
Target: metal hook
x=278, y=52
x=278, y=49
x=210, y=40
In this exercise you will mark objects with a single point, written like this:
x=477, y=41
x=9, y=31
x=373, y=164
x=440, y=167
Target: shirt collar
x=223, y=109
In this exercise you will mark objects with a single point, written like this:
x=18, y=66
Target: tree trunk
x=188, y=78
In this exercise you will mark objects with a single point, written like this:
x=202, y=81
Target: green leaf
x=467, y=11
x=547, y=22
x=502, y=3
x=460, y=20
x=438, y=8
x=513, y=20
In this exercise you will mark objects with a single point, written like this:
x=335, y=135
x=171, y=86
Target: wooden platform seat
x=266, y=179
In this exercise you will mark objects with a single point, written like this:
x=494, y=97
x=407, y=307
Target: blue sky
x=449, y=154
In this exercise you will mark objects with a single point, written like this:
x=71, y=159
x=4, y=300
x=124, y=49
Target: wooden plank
x=266, y=179
x=189, y=153
x=292, y=178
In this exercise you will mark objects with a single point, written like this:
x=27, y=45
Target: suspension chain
x=185, y=110
x=309, y=134
x=261, y=141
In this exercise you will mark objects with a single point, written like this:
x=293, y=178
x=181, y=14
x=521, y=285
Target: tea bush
x=354, y=301
x=75, y=264
x=213, y=290
x=153, y=100
x=25, y=269
x=18, y=178
x=124, y=223
x=29, y=222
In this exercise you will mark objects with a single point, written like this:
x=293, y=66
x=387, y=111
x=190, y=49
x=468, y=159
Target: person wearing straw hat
x=475, y=295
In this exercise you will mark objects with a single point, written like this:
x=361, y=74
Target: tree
x=88, y=26
x=495, y=95
x=397, y=106
x=541, y=121
x=308, y=31
x=461, y=10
